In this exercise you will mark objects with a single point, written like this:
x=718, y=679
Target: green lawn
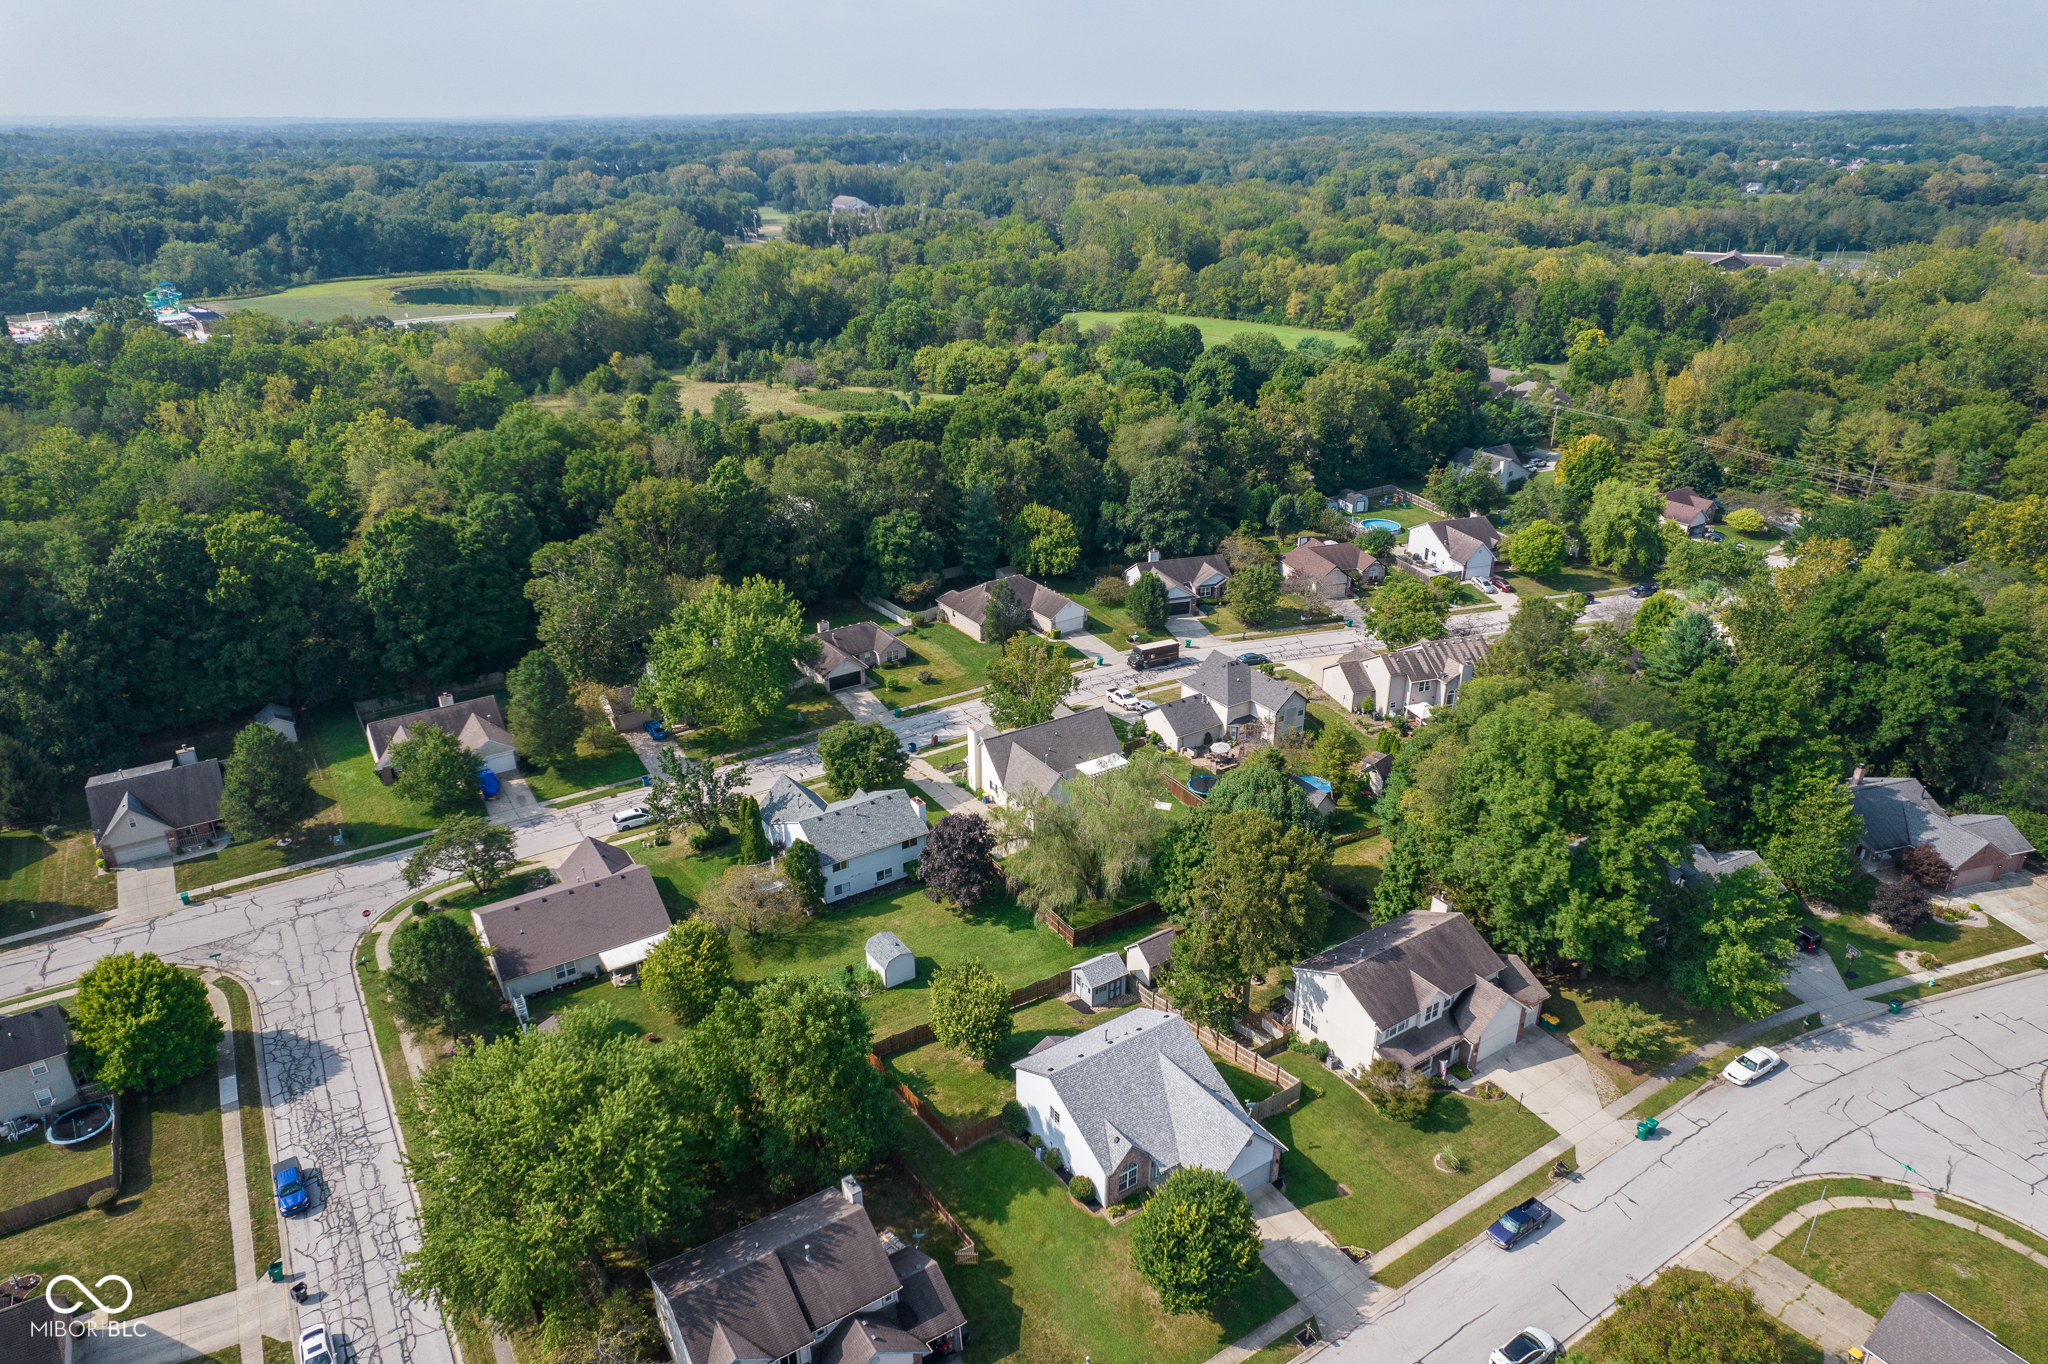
x=1577, y=1003
x=1054, y=1284
x=33, y=1167
x=1581, y=578
x=1244, y=1084
x=966, y=1091
x=48, y=883
x=844, y=611
x=1217, y=330
x=255, y=1142
x=371, y=812
x=167, y=1234
x=1871, y=1255
x=955, y=662
x=590, y=768
x=1464, y=1229
x=1336, y=1141
x=370, y=295
x=1763, y=1214
x=809, y=708
x=629, y=1002
x=1879, y=946
x=1355, y=871
x=1981, y=976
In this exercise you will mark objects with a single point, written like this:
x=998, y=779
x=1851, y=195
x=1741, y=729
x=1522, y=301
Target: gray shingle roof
x=1155, y=947
x=1397, y=968
x=179, y=796
x=788, y=801
x=1897, y=812
x=1465, y=536
x=885, y=947
x=1097, y=972
x=456, y=719
x=863, y=823
x=1037, y=756
x=849, y=643
x=1919, y=1328
x=1997, y=830
x=573, y=919
x=1185, y=573
x=1142, y=1080
x=1316, y=560
x=1186, y=715
x=1036, y=598
x=27, y=1038
x=1434, y=658
x=1233, y=684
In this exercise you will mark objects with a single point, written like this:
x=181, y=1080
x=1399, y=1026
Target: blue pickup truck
x=292, y=1197
x=1517, y=1223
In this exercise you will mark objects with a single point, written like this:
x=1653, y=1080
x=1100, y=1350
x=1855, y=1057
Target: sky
x=458, y=59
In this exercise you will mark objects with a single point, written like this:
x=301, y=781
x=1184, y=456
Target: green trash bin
x=276, y=1271
x=1645, y=1128
x=1898, y=1006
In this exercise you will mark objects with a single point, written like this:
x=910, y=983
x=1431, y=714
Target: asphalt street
x=1947, y=1095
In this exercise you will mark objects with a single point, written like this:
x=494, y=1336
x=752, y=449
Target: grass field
x=167, y=1234
x=372, y=811
x=1763, y=1214
x=48, y=883
x=370, y=296
x=808, y=708
x=1355, y=871
x=1366, y=1179
x=1216, y=330
x=1879, y=948
x=1464, y=1229
x=1577, y=1003
x=1871, y=1255
x=33, y=1167
x=967, y=1091
x=1053, y=1283
x=255, y=1142
x=956, y=663
x=589, y=768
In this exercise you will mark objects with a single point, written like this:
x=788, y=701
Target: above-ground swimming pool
x=1381, y=523
x=80, y=1124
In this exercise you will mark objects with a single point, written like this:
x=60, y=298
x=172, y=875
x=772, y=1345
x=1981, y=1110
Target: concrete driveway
x=144, y=892
x=1552, y=1081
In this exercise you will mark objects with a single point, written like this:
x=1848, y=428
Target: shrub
x=1081, y=1187
x=1451, y=1160
x=102, y=1198
x=1922, y=863
x=1625, y=1030
x=1748, y=520
x=52, y=832
x=1197, y=1240
x=422, y=909
x=1054, y=1159
x=1110, y=590
x=1033, y=1140
x=1900, y=905
x=1014, y=1119
x=709, y=838
x=1402, y=1095
x=971, y=1010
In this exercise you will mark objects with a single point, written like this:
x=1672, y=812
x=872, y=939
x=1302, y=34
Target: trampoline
x=1201, y=783
x=1381, y=523
x=80, y=1124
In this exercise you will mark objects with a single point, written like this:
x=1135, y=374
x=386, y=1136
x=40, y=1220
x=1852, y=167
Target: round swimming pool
x=1381, y=523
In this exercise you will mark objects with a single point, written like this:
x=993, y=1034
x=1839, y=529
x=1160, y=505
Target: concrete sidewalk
x=1825, y=1317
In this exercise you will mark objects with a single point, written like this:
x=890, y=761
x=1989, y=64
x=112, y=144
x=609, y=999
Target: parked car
x=292, y=1197
x=1716, y=536
x=1499, y=584
x=1141, y=705
x=1806, y=940
x=314, y=1347
x=631, y=817
x=1518, y=1223
x=655, y=731
x=1124, y=697
x=1253, y=659
x=1531, y=1346
x=1643, y=590
x=1751, y=1066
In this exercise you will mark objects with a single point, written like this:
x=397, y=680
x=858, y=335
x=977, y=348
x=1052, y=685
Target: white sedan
x=1532, y=1346
x=313, y=1345
x=1752, y=1065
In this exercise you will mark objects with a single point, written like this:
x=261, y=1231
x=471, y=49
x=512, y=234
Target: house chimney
x=849, y=1188
x=1439, y=905
x=822, y=626
x=1856, y=777
x=1151, y=556
x=187, y=756
x=446, y=698
x=807, y=1252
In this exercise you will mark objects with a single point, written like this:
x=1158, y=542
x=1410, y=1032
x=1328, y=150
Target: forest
x=287, y=511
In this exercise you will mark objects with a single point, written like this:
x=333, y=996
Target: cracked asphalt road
x=1947, y=1095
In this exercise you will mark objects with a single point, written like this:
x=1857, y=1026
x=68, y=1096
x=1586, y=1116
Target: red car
x=1499, y=584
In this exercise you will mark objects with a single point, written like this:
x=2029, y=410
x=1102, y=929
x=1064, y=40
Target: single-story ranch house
x=603, y=914
x=1498, y=460
x=1686, y=508
x=1046, y=609
x=1189, y=582
x=1040, y=757
x=1329, y=569
x=1464, y=546
x=1417, y=990
x=476, y=723
x=1131, y=1101
x=846, y=654
x=869, y=839
x=1897, y=813
x=140, y=814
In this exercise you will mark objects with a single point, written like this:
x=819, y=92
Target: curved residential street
x=1947, y=1095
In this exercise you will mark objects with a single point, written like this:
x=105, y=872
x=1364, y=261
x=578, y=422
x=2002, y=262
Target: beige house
x=1428, y=674
x=35, y=1066
x=602, y=914
x=1046, y=609
x=846, y=654
x=1189, y=582
x=1041, y=757
x=1222, y=696
x=1329, y=569
x=140, y=814
x=477, y=724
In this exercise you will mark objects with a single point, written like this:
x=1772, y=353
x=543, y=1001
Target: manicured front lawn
x=680, y=875
x=1577, y=1002
x=1054, y=1284
x=1763, y=1214
x=371, y=812
x=34, y=1167
x=48, y=883
x=808, y=709
x=1879, y=947
x=1465, y=1228
x=1871, y=1255
x=589, y=768
x=967, y=1091
x=1581, y=578
x=1336, y=1139
x=255, y=1141
x=167, y=1234
x=956, y=663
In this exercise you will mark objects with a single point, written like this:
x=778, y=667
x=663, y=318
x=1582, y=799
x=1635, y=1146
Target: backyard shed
x=1100, y=980
x=891, y=960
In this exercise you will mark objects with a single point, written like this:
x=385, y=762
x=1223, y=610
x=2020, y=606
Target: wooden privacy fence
x=956, y=1142
x=912, y=1038
x=967, y=1253
x=1180, y=792
x=25, y=1215
x=1074, y=937
x=1396, y=490
x=1287, y=1088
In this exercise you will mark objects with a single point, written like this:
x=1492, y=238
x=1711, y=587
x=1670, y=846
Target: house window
x=1055, y=1114
x=566, y=972
x=839, y=866
x=1436, y=1007
x=1127, y=1178
x=44, y=1098
x=839, y=889
x=885, y=873
x=909, y=842
x=39, y=1069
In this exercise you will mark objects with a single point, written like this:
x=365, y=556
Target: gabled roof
x=1319, y=559
x=179, y=796
x=1038, y=756
x=1432, y=658
x=1036, y=598
x=848, y=643
x=865, y=822
x=1186, y=573
x=1492, y=458
x=1231, y=683
x=1382, y=763
x=1464, y=536
x=589, y=859
x=769, y=1286
x=475, y=722
x=1712, y=866
x=1683, y=504
x=1097, y=972
x=789, y=801
x=1155, y=947
x=1396, y=969
x=885, y=947
x=1919, y=1328
x=574, y=918
x=27, y=1038
x=1897, y=812
x=1187, y=713
x=1142, y=1080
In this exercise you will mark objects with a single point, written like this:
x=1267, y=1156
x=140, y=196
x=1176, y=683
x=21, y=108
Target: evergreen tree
x=544, y=718
x=1146, y=602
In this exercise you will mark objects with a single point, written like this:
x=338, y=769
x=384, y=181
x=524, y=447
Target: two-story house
x=1413, y=680
x=1041, y=758
x=869, y=839
x=811, y=1284
x=1189, y=582
x=1464, y=546
x=1221, y=696
x=1498, y=460
x=1421, y=989
x=35, y=1064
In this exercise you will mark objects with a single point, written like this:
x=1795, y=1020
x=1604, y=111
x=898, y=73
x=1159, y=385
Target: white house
x=1041, y=757
x=1222, y=695
x=869, y=839
x=1429, y=674
x=602, y=914
x=1464, y=546
x=1189, y=582
x=1046, y=610
x=891, y=960
x=140, y=814
x=35, y=1066
x=1131, y=1101
x=1418, y=990
x=1498, y=460
x=1149, y=955
x=476, y=724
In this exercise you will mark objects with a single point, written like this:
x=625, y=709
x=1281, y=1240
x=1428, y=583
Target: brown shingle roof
x=1036, y=598
x=574, y=919
x=179, y=796
x=1395, y=969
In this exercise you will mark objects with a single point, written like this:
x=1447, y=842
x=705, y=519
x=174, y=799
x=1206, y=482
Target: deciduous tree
x=1626, y=1030
x=1405, y=610
x=1003, y=617
x=958, y=865
x=1043, y=542
x=751, y=901
x=971, y=1010
x=438, y=976
x=1258, y=898
x=1253, y=593
x=1146, y=602
x=468, y=844
x=1537, y=549
x=1196, y=1241
x=686, y=971
x=435, y=772
x=264, y=787
x=544, y=718
x=865, y=757
x=1620, y=528
x=729, y=655
x=143, y=1024
x=1729, y=942
x=1027, y=682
